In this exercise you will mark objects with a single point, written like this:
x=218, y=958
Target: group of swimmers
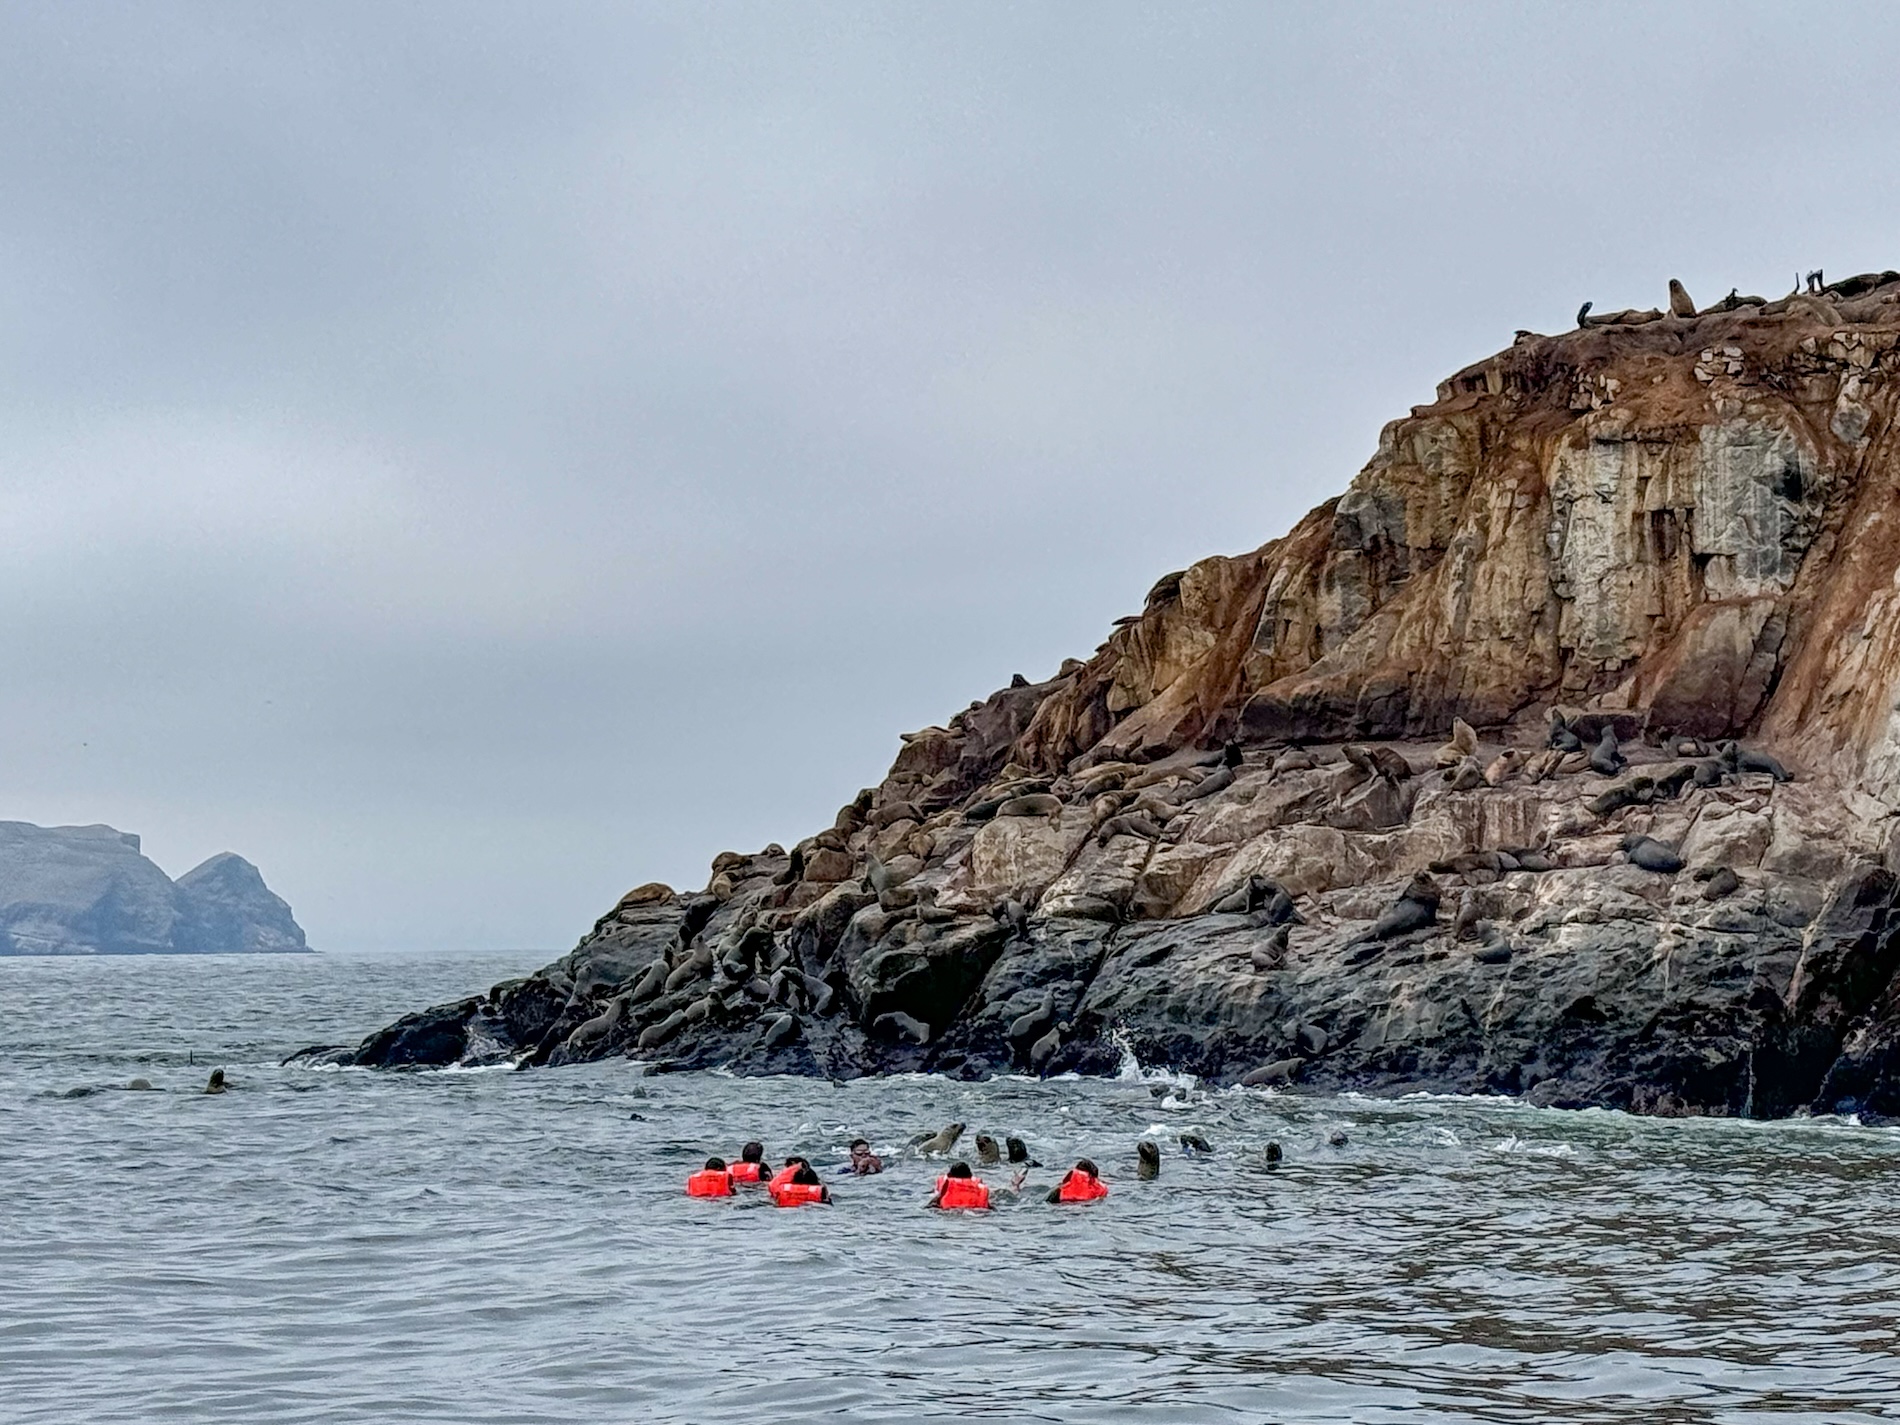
x=797, y=1183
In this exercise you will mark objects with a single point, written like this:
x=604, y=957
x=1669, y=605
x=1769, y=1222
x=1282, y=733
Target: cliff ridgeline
x=1559, y=756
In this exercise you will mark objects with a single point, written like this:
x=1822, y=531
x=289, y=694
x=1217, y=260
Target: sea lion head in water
x=1019, y=1152
x=1148, y=1160
x=987, y=1152
x=216, y=1082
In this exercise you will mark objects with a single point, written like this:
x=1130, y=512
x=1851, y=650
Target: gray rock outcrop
x=1647, y=537
x=88, y=890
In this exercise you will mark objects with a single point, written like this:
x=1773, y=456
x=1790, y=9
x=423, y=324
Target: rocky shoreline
x=1557, y=757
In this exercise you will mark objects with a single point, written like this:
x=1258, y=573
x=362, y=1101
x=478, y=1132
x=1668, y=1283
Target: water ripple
x=495, y=1247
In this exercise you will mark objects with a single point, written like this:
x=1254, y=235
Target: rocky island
x=1557, y=757
x=90, y=890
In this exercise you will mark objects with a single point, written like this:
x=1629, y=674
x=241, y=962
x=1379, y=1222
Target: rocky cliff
x=88, y=890
x=1559, y=756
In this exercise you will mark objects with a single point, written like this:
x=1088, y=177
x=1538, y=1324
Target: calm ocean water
x=500, y=1247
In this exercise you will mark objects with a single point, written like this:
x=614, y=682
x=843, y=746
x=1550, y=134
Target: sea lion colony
x=1371, y=787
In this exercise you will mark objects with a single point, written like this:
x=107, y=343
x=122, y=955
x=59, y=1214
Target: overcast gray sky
x=471, y=459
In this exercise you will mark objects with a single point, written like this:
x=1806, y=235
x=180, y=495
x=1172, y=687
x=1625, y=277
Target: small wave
x=1132, y=1071
x=1514, y=1144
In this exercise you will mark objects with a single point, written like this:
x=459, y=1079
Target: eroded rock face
x=1665, y=525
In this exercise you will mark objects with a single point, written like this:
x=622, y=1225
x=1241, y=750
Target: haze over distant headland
x=89, y=890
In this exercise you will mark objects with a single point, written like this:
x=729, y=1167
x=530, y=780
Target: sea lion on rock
x=1466, y=920
x=903, y=1026
x=1025, y=1029
x=1034, y=804
x=1216, y=781
x=659, y=1033
x=588, y=1031
x=1129, y=825
x=1360, y=758
x=782, y=1030
x=1463, y=744
x=794, y=871
x=1294, y=759
x=929, y=1145
x=689, y=970
x=1679, y=303
x=700, y=1009
x=1467, y=776
x=1637, y=791
x=1147, y=1161
x=1011, y=914
x=651, y=983
x=1248, y=896
x=1651, y=854
x=1280, y=1071
x=1744, y=759
x=1539, y=765
x=1721, y=881
x=1270, y=954
x=987, y=1152
x=1604, y=757
x=1279, y=909
x=1044, y=1049
x=1502, y=766
x=1415, y=909
x=1562, y=736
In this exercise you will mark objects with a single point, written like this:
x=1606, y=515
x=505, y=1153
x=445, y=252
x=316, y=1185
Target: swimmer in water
x=751, y=1165
x=785, y=1174
x=802, y=1190
x=1082, y=1183
x=710, y=1181
x=863, y=1161
x=960, y=1189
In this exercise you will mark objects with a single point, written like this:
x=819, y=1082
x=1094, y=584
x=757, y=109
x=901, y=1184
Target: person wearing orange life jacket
x=785, y=1174
x=803, y=1189
x=710, y=1181
x=751, y=1165
x=958, y=1188
x=1080, y=1184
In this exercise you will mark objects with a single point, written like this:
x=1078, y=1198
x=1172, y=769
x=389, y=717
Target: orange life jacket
x=1079, y=1187
x=709, y=1182
x=783, y=1176
x=962, y=1192
x=744, y=1172
x=796, y=1194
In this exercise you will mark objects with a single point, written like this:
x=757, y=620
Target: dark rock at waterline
x=1324, y=672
